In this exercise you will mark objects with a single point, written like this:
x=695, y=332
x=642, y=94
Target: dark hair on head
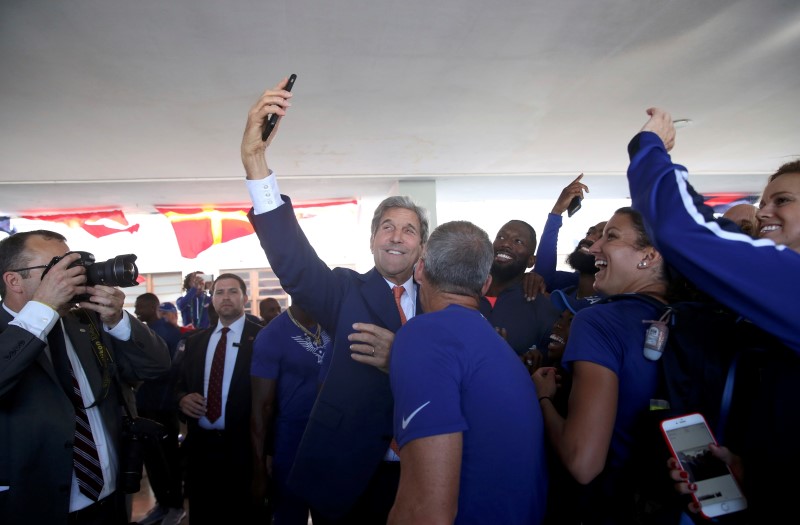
x=789, y=167
x=531, y=232
x=242, y=284
x=148, y=299
x=187, y=281
x=642, y=239
x=405, y=203
x=12, y=252
x=458, y=258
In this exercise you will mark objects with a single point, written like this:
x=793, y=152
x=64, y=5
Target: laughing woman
x=612, y=381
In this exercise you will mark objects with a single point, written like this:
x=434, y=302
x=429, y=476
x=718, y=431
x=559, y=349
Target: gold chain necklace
x=317, y=337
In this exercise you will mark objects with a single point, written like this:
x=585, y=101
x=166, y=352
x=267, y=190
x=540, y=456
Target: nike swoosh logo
x=407, y=420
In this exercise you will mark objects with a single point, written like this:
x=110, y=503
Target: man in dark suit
x=344, y=468
x=60, y=414
x=155, y=399
x=213, y=393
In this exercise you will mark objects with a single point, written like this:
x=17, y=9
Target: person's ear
x=531, y=261
x=487, y=284
x=650, y=258
x=419, y=269
x=13, y=282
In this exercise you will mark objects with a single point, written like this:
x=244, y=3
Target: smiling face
x=580, y=259
x=594, y=233
x=617, y=256
x=513, y=251
x=397, y=244
x=559, y=335
x=779, y=211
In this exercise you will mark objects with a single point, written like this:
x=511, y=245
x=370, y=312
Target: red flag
x=198, y=229
x=92, y=222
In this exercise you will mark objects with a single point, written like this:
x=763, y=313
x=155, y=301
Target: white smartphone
x=717, y=492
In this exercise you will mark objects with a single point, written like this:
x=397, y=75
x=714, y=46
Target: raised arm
x=253, y=149
x=752, y=277
x=546, y=253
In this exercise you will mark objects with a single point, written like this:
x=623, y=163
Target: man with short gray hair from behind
x=466, y=419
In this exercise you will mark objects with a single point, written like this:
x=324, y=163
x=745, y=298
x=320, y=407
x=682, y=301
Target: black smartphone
x=269, y=125
x=574, y=205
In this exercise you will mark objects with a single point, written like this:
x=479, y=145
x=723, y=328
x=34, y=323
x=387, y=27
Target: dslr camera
x=138, y=434
x=118, y=271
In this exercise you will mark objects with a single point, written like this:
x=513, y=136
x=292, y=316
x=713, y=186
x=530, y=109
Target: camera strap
x=103, y=356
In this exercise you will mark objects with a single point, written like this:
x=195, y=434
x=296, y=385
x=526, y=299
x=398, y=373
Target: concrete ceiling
x=111, y=104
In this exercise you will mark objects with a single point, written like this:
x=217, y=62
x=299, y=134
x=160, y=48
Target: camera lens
x=119, y=271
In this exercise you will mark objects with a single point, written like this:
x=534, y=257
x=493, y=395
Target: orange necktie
x=398, y=291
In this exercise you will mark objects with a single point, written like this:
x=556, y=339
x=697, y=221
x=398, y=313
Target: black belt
x=93, y=511
x=205, y=434
x=211, y=431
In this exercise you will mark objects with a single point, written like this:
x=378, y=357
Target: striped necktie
x=85, y=459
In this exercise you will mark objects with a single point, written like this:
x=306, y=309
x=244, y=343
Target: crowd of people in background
x=460, y=380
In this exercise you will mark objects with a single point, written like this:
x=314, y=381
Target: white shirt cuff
x=264, y=193
x=122, y=330
x=36, y=318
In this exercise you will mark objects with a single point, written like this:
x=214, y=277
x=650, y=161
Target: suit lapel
x=198, y=358
x=43, y=360
x=419, y=309
x=241, y=369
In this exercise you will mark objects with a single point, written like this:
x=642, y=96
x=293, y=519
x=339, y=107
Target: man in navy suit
x=345, y=468
x=218, y=453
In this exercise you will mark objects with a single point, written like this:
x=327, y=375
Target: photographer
x=60, y=404
x=195, y=302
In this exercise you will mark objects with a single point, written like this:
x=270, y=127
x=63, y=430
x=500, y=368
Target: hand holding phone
x=717, y=492
x=574, y=205
x=272, y=119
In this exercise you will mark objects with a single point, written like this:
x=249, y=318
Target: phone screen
x=717, y=491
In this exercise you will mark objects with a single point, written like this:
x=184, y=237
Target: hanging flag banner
x=198, y=229
x=721, y=202
x=97, y=223
x=5, y=226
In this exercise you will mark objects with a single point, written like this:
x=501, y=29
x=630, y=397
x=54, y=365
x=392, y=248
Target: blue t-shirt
x=451, y=372
x=285, y=353
x=612, y=335
x=526, y=322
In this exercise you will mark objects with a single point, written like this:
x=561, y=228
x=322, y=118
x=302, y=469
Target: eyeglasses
x=29, y=268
